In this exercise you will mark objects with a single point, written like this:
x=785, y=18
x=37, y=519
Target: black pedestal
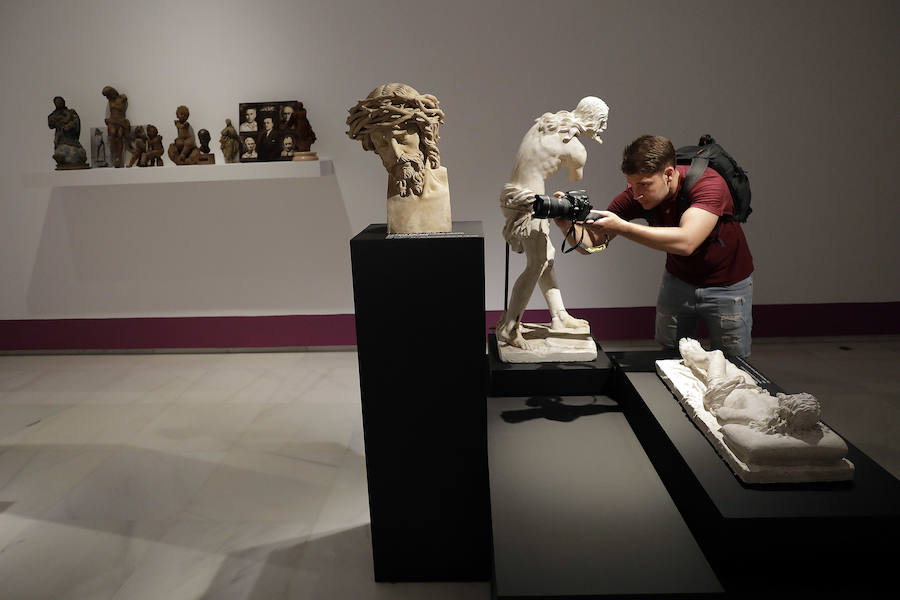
x=831, y=533
x=420, y=336
x=547, y=379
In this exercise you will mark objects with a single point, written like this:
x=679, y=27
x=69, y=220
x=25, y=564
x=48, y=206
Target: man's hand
x=605, y=222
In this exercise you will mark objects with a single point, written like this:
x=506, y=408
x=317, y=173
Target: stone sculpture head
x=182, y=113
x=152, y=131
x=401, y=126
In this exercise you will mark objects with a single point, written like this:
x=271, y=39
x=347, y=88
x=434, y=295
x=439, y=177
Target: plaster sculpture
x=117, y=125
x=184, y=151
x=67, y=149
x=153, y=156
x=763, y=438
x=401, y=126
x=229, y=142
x=550, y=145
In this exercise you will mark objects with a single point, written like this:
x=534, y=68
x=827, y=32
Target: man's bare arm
x=695, y=226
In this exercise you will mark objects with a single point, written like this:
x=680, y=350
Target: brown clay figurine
x=184, y=151
x=230, y=142
x=138, y=146
x=305, y=134
x=67, y=149
x=153, y=156
x=117, y=125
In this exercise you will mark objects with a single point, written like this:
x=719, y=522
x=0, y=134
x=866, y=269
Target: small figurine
x=98, y=145
x=153, y=156
x=230, y=142
x=206, y=157
x=184, y=151
x=138, y=145
x=67, y=149
x=203, y=136
x=118, y=126
x=305, y=134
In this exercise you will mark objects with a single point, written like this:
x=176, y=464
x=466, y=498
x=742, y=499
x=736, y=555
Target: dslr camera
x=574, y=206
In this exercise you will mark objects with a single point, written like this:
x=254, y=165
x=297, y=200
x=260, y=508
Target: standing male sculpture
x=118, y=126
x=401, y=126
x=550, y=145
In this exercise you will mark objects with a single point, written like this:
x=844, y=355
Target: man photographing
x=708, y=262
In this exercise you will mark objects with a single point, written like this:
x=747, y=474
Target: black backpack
x=708, y=153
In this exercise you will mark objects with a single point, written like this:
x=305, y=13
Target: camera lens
x=550, y=207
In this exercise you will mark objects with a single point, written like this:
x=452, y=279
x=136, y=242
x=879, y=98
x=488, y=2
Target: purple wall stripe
x=773, y=320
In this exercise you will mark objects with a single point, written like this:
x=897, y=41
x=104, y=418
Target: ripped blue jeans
x=727, y=311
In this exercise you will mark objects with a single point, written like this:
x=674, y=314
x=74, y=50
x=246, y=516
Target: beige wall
x=803, y=94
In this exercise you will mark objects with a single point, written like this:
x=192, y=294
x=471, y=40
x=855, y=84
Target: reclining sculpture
x=763, y=438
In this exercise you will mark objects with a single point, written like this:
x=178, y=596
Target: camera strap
x=571, y=232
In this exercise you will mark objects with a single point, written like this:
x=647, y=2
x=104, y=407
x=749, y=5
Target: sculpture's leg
x=508, y=328
x=559, y=318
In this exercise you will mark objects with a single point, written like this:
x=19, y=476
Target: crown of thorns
x=393, y=111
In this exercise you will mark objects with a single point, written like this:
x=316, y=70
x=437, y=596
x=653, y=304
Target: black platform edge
x=691, y=596
x=778, y=552
x=547, y=379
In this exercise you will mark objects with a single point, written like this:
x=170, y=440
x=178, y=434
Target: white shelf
x=181, y=174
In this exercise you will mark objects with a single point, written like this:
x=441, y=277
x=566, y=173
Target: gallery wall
x=803, y=93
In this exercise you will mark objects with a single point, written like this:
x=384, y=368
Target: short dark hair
x=648, y=155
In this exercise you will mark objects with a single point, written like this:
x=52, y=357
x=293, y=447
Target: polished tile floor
x=242, y=476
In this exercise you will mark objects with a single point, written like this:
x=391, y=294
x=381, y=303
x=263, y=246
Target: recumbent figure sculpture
x=550, y=145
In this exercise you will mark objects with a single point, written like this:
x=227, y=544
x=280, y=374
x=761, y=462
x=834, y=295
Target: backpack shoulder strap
x=695, y=172
x=698, y=167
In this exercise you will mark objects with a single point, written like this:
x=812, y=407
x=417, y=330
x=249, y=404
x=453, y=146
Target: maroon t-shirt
x=712, y=263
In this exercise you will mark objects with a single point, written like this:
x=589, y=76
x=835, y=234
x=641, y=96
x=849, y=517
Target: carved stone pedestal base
x=547, y=345
x=306, y=156
x=206, y=159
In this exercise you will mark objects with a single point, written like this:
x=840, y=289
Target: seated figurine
x=153, y=156
x=184, y=151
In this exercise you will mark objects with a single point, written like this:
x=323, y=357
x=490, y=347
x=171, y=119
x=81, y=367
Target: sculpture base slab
x=822, y=465
x=72, y=167
x=584, y=378
x=206, y=159
x=745, y=529
x=305, y=156
x=547, y=345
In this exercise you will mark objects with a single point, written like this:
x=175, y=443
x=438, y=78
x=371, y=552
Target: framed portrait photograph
x=275, y=130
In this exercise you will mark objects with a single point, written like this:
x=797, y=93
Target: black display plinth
x=547, y=379
x=420, y=337
x=577, y=510
x=831, y=534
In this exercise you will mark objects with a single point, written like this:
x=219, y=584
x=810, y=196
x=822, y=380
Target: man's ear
x=669, y=173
